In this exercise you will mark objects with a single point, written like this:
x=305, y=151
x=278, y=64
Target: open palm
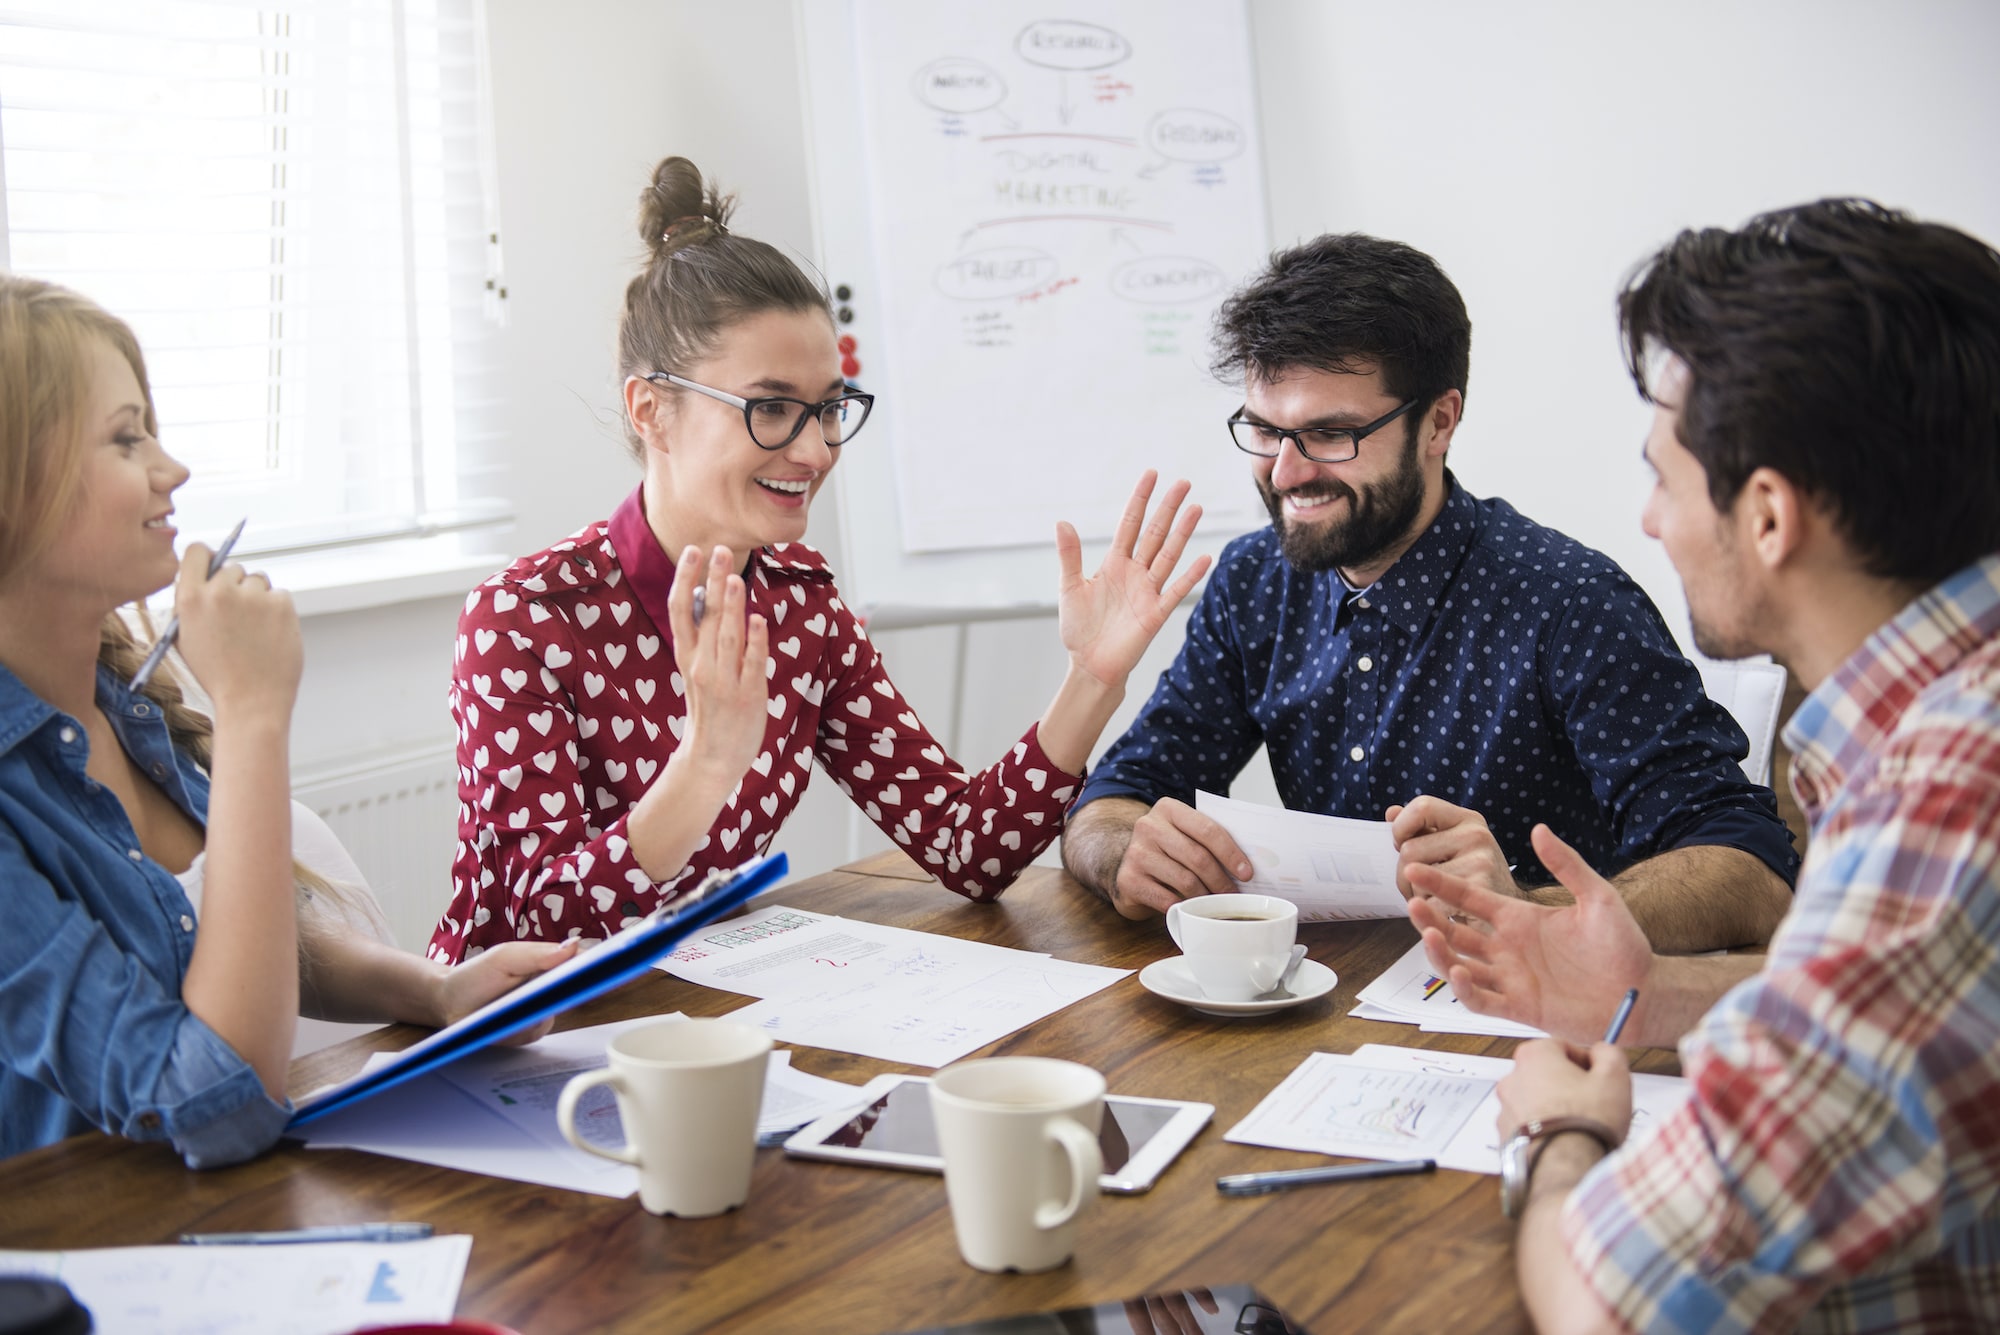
x=1563, y=970
x=1108, y=619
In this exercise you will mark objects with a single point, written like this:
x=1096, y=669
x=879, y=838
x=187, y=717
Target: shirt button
x=135, y=855
x=1363, y=603
x=150, y=1121
x=142, y=709
x=1356, y=754
x=1364, y=662
x=187, y=923
x=68, y=734
x=160, y=770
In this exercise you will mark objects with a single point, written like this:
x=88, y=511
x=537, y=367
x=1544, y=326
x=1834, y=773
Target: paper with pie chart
x=1334, y=868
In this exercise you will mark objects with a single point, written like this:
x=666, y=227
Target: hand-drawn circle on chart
x=958, y=85
x=999, y=271
x=1066, y=44
x=1165, y=280
x=1189, y=134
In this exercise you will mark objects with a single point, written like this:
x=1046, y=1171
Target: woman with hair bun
x=643, y=702
x=125, y=814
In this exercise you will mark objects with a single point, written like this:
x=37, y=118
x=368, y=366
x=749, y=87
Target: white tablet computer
x=893, y=1129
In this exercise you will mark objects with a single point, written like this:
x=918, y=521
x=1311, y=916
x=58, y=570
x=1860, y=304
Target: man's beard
x=1375, y=522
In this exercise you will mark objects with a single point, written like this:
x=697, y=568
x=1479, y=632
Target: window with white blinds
x=292, y=204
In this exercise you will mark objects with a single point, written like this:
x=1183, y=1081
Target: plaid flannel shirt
x=1837, y=1166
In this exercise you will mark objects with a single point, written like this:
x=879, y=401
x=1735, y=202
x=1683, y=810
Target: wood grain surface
x=835, y=1248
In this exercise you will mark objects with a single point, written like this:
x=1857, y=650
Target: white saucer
x=1170, y=978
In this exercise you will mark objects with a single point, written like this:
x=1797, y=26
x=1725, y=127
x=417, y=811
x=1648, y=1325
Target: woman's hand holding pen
x=721, y=658
x=239, y=636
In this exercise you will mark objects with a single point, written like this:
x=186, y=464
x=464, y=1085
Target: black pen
x=1257, y=1184
x=1624, y=1014
x=173, y=630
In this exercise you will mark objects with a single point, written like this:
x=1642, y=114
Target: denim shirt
x=97, y=942
x=1498, y=665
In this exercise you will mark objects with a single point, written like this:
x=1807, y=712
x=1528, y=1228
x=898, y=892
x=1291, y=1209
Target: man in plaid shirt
x=1826, y=444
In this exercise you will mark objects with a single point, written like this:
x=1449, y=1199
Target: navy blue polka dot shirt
x=1498, y=665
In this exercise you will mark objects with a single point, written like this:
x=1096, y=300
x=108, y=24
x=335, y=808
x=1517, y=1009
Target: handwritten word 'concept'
x=1166, y=279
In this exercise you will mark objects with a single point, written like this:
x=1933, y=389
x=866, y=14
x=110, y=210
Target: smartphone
x=893, y=1129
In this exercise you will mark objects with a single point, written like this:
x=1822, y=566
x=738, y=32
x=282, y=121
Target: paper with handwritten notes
x=1335, y=868
x=886, y=992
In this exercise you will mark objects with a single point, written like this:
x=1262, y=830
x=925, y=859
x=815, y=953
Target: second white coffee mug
x=688, y=1096
x=1019, y=1137
x=1237, y=946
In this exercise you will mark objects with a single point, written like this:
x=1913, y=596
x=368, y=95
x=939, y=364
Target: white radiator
x=397, y=813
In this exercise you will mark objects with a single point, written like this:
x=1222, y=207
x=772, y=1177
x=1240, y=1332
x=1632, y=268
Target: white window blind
x=292, y=205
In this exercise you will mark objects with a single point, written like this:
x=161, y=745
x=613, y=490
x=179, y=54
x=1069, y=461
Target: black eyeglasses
x=1321, y=444
x=774, y=423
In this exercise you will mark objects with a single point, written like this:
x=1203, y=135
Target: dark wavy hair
x=1853, y=350
x=1349, y=303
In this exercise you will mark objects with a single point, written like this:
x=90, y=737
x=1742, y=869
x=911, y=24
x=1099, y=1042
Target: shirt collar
x=1408, y=591
x=21, y=710
x=1850, y=714
x=651, y=571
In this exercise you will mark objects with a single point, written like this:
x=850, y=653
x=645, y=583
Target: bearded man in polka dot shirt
x=1404, y=648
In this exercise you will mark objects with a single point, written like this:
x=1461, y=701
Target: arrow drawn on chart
x=1065, y=112
x=1120, y=234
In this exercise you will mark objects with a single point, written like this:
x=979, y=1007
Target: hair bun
x=678, y=209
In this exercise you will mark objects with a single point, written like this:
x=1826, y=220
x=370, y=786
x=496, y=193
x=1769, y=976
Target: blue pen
x=1624, y=1014
x=322, y=1233
x=173, y=630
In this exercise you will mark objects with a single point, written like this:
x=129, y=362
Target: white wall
x=1537, y=148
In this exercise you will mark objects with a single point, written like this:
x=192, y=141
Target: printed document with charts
x=1335, y=869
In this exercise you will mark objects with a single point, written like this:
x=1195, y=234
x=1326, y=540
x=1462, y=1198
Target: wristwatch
x=1524, y=1147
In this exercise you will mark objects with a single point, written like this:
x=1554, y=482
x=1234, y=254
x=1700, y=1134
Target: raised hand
x=721, y=662
x=1563, y=970
x=1108, y=619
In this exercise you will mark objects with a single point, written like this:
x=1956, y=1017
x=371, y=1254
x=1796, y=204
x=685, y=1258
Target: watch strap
x=1524, y=1149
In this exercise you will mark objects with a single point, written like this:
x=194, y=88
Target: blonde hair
x=47, y=337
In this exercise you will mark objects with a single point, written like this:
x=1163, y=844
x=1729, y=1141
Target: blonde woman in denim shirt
x=114, y=1011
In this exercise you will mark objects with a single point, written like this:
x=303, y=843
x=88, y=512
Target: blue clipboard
x=596, y=971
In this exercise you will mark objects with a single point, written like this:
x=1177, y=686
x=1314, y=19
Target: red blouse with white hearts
x=567, y=704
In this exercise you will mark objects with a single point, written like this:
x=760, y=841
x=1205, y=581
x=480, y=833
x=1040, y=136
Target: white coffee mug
x=1236, y=946
x=688, y=1096
x=1019, y=1137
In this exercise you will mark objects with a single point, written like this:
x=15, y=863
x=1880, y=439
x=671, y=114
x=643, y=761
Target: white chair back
x=1753, y=693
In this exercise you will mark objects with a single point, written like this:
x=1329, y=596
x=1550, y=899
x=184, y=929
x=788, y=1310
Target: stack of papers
x=1407, y=1103
x=1409, y=993
x=887, y=992
x=494, y=1112
x=319, y=1288
x=1334, y=868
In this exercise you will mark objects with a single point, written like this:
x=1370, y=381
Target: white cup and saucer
x=1237, y=958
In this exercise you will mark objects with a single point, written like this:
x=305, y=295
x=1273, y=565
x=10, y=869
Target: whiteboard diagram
x=1060, y=197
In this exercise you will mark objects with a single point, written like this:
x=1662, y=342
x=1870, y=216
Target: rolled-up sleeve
x=88, y=1030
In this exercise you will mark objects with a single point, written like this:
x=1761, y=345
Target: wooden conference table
x=833, y=1248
